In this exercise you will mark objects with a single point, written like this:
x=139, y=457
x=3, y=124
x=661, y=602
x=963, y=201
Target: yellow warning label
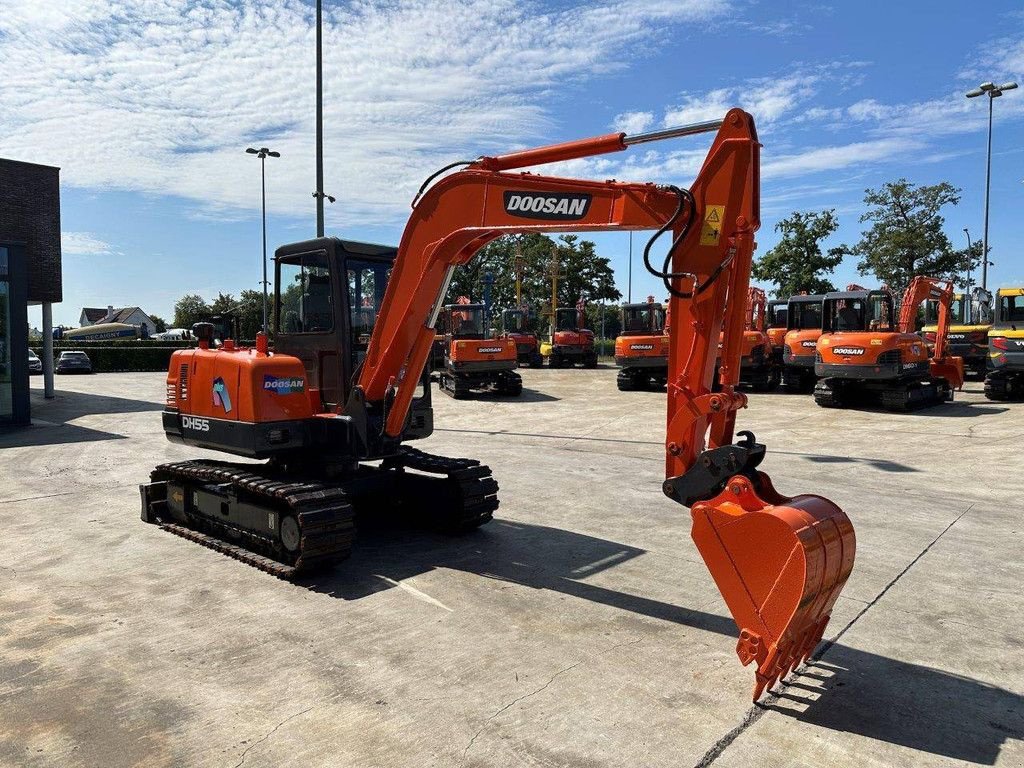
x=711, y=229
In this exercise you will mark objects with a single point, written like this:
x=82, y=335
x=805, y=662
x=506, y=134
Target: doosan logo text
x=808, y=343
x=283, y=385
x=848, y=351
x=641, y=347
x=565, y=206
x=488, y=350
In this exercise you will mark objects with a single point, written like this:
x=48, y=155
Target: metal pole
x=988, y=181
x=263, y=183
x=969, y=306
x=319, y=122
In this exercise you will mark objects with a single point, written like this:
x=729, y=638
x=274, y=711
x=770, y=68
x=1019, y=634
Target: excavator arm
x=921, y=289
x=779, y=562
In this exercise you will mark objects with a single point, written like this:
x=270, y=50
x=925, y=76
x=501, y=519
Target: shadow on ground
x=849, y=691
x=50, y=419
x=526, y=396
x=882, y=464
x=906, y=704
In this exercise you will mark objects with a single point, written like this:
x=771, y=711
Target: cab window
x=1011, y=309
x=367, y=281
x=305, y=304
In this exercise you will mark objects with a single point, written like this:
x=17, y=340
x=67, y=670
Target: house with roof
x=127, y=315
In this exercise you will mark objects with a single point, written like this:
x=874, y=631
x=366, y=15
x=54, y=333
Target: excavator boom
x=779, y=562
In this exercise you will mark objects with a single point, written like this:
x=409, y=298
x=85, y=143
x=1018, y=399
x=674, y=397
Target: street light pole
x=319, y=194
x=993, y=91
x=970, y=276
x=263, y=153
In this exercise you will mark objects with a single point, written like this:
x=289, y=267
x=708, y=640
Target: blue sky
x=148, y=105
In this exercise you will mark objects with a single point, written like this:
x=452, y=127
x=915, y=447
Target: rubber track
x=325, y=518
x=475, y=491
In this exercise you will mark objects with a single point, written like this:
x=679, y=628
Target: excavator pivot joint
x=713, y=469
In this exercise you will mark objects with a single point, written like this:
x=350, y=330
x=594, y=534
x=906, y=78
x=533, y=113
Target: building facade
x=30, y=273
x=126, y=315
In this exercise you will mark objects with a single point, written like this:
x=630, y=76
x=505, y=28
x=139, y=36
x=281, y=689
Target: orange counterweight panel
x=483, y=350
x=239, y=385
x=642, y=346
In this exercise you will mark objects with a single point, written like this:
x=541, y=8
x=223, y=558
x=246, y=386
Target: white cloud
x=163, y=96
x=836, y=157
x=868, y=109
x=84, y=244
x=633, y=122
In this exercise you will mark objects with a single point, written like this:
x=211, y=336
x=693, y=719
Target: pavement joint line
x=269, y=734
x=35, y=498
x=759, y=709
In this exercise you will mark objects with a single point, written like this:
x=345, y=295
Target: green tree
x=582, y=271
x=249, y=310
x=906, y=236
x=190, y=309
x=224, y=304
x=797, y=264
x=159, y=322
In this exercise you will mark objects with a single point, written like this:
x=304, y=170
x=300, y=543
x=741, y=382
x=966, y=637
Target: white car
x=35, y=365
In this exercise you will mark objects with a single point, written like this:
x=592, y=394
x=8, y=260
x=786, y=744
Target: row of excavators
x=851, y=347
x=325, y=416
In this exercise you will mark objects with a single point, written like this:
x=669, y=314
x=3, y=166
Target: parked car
x=74, y=362
x=35, y=365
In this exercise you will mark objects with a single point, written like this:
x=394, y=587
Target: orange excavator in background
x=514, y=326
x=863, y=355
x=332, y=415
x=472, y=360
x=803, y=323
x=569, y=340
x=756, y=368
x=777, y=324
x=641, y=349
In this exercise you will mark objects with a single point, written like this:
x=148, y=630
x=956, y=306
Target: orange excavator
x=472, y=360
x=757, y=370
x=332, y=416
x=862, y=355
x=803, y=323
x=514, y=326
x=570, y=341
x=777, y=320
x=641, y=349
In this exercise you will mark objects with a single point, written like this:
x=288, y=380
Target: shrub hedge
x=116, y=356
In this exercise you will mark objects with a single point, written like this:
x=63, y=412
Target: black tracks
x=324, y=516
x=451, y=495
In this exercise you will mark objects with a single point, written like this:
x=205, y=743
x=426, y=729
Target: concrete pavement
x=579, y=628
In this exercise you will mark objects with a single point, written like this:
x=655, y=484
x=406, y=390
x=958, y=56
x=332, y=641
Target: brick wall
x=30, y=213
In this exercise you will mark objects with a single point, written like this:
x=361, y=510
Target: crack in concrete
x=512, y=704
x=758, y=710
x=269, y=734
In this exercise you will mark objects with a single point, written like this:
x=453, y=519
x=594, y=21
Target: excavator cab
x=852, y=311
x=327, y=298
x=642, y=319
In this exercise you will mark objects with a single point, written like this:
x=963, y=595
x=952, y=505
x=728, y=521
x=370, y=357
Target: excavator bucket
x=949, y=368
x=780, y=564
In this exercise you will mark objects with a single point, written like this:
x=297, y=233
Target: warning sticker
x=711, y=229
